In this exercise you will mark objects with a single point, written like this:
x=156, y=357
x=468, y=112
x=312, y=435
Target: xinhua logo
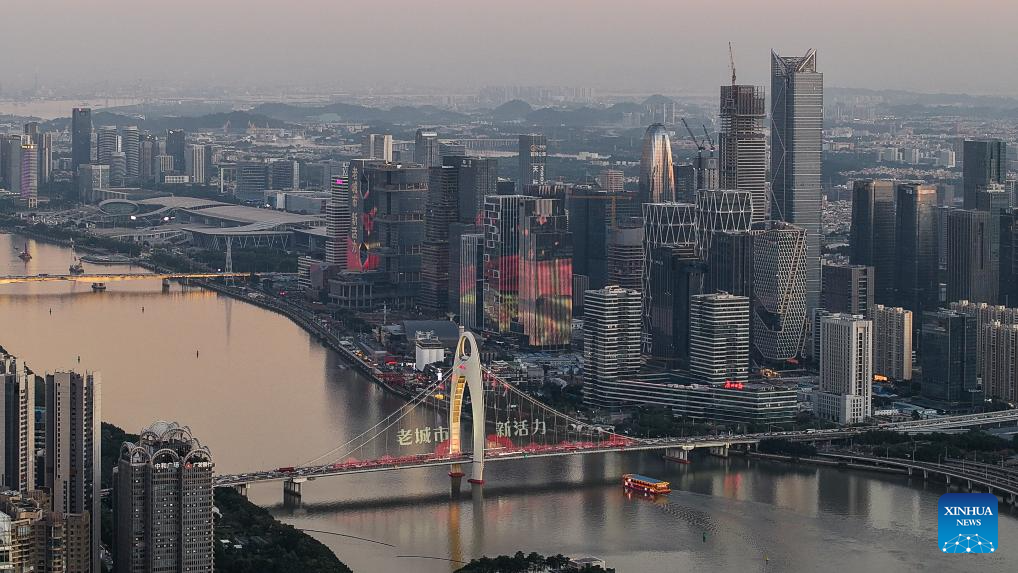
x=967, y=523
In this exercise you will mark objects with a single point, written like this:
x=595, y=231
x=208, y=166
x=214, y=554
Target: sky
x=626, y=45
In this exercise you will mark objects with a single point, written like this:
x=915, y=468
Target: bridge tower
x=466, y=375
x=229, y=259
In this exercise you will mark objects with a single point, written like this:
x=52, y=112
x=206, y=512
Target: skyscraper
x=664, y=225
x=611, y=344
x=162, y=489
x=779, y=297
x=873, y=234
x=657, y=177
x=107, y=142
x=442, y=211
x=426, y=148
x=847, y=288
x=846, y=369
x=625, y=256
x=797, y=112
x=194, y=163
x=916, y=264
x=674, y=276
x=18, y=471
x=73, y=433
x=28, y=181
x=175, y=142
x=589, y=214
x=1000, y=372
x=130, y=143
x=377, y=146
x=533, y=157
x=892, y=342
x=546, y=274
x=984, y=162
x=471, y=281
x=81, y=137
x=719, y=338
x=742, y=144
x=948, y=356
x=45, y=145
x=730, y=263
x=971, y=267
x=721, y=210
x=1008, y=293
x=502, y=261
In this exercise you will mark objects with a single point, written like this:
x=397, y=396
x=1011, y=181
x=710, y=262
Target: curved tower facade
x=657, y=177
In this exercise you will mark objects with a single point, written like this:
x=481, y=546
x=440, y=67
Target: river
x=262, y=393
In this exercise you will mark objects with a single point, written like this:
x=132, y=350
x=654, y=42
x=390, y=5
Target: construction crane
x=731, y=61
x=699, y=146
x=710, y=140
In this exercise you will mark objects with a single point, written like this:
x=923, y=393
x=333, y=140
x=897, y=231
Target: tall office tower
x=797, y=114
x=847, y=288
x=674, y=276
x=611, y=344
x=377, y=146
x=252, y=180
x=118, y=168
x=471, y=281
x=611, y=181
x=93, y=180
x=18, y=471
x=442, y=211
x=915, y=256
x=873, y=234
x=73, y=433
x=948, y=357
x=742, y=144
x=107, y=142
x=284, y=174
x=338, y=222
x=657, y=176
x=31, y=129
x=45, y=146
x=10, y=162
x=146, y=158
x=533, y=158
x=130, y=144
x=426, y=148
x=28, y=179
x=451, y=149
x=719, y=338
x=546, y=274
x=892, y=342
x=721, y=210
x=162, y=166
x=81, y=137
x=502, y=261
x=664, y=225
x=984, y=162
x=1000, y=371
x=589, y=214
x=625, y=256
x=971, y=272
x=779, y=290
x=702, y=173
x=175, y=148
x=194, y=163
x=846, y=369
x=162, y=487
x=730, y=264
x=1008, y=293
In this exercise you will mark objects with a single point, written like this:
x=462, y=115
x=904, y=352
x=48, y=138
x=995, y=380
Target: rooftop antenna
x=731, y=61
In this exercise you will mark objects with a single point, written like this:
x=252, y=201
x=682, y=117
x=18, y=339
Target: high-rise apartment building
x=81, y=137
x=873, y=234
x=612, y=321
x=657, y=176
x=742, y=144
x=107, y=142
x=18, y=470
x=162, y=490
x=130, y=144
x=985, y=315
x=846, y=369
x=545, y=275
x=1000, y=369
x=72, y=458
x=1008, y=254
x=984, y=162
x=532, y=160
x=338, y=222
x=377, y=146
x=779, y=290
x=797, y=112
x=892, y=342
x=426, y=151
x=916, y=260
x=719, y=338
x=948, y=356
x=847, y=288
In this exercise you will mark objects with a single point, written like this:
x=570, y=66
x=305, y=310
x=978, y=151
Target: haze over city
x=638, y=45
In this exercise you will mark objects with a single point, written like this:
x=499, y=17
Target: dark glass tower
x=873, y=234
x=81, y=137
x=985, y=162
x=948, y=355
x=797, y=114
x=916, y=261
x=175, y=148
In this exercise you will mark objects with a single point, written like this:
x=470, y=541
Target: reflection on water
x=261, y=393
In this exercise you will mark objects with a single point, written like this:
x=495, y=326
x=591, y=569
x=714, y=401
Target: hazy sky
x=651, y=45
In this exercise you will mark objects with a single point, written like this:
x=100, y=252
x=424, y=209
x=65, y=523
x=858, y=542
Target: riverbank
x=818, y=461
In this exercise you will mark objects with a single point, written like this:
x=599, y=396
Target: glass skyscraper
x=743, y=144
x=657, y=174
x=984, y=162
x=545, y=275
x=797, y=114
